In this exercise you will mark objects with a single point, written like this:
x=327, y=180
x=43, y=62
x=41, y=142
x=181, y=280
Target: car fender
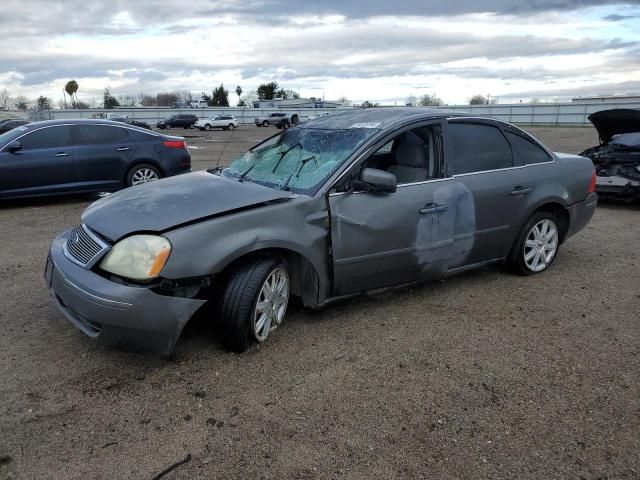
x=207, y=247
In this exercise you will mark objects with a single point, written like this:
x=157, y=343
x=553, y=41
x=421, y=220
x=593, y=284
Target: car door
x=481, y=161
x=44, y=164
x=217, y=122
x=102, y=155
x=384, y=239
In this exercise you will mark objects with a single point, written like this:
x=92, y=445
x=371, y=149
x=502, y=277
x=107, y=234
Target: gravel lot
x=484, y=375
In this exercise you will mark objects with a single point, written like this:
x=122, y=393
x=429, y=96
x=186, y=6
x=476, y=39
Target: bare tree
x=411, y=100
x=478, y=100
x=22, y=103
x=431, y=101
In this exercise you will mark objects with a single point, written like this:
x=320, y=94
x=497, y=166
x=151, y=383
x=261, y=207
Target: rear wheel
x=537, y=245
x=254, y=302
x=285, y=124
x=231, y=126
x=142, y=173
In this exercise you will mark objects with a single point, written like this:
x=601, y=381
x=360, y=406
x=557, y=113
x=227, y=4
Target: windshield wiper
x=282, y=155
x=297, y=170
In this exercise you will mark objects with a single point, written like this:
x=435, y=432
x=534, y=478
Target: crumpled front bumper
x=118, y=316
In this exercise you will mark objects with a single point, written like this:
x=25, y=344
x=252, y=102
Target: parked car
x=279, y=119
x=617, y=158
x=183, y=120
x=131, y=121
x=355, y=202
x=64, y=156
x=225, y=122
x=11, y=123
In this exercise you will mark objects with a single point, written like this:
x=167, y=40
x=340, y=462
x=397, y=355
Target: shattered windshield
x=300, y=159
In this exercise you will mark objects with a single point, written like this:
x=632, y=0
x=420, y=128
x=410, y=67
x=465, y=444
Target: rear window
x=527, y=151
x=49, y=137
x=91, y=134
x=478, y=148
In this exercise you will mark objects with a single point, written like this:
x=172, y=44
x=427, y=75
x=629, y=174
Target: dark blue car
x=65, y=156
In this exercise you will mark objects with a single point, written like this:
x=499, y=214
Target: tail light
x=175, y=144
x=592, y=183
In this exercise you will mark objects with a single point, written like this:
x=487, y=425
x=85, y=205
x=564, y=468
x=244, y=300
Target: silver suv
x=279, y=119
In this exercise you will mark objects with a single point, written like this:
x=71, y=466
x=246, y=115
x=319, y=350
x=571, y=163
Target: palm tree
x=71, y=88
x=238, y=92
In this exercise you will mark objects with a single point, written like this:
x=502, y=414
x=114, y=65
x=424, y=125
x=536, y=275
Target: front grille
x=84, y=247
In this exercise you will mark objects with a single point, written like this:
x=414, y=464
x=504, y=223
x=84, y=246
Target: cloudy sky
x=379, y=50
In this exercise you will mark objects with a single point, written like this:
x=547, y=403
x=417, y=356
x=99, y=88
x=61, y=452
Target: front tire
x=537, y=244
x=207, y=127
x=254, y=302
x=265, y=124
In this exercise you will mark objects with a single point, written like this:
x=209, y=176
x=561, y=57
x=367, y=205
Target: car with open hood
x=617, y=158
x=354, y=202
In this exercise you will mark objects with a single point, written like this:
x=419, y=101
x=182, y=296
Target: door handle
x=124, y=149
x=61, y=154
x=520, y=190
x=433, y=208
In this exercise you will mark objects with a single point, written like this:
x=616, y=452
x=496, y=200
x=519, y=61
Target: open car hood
x=165, y=204
x=615, y=121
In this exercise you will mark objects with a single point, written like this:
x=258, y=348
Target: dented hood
x=168, y=203
x=615, y=121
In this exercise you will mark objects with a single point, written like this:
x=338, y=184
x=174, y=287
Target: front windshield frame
x=304, y=158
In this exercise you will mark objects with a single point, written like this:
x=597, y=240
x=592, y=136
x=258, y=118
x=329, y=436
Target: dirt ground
x=483, y=375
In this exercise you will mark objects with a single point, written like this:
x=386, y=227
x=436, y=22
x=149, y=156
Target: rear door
x=481, y=161
x=102, y=155
x=43, y=165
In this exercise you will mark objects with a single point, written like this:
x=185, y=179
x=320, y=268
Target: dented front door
x=384, y=239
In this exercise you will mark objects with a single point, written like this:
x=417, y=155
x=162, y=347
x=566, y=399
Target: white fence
x=525, y=114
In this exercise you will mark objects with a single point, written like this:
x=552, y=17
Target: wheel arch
x=306, y=281
x=561, y=213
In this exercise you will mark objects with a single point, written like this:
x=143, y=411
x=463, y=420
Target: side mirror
x=14, y=147
x=374, y=180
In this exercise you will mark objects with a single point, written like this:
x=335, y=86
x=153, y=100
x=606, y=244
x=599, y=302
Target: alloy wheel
x=271, y=304
x=143, y=175
x=541, y=245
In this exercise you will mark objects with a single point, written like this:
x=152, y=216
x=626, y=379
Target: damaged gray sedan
x=355, y=202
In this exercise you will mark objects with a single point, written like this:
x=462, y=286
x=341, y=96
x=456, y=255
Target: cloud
x=619, y=18
x=145, y=45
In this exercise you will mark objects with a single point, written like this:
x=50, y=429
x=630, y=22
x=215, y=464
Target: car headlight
x=139, y=257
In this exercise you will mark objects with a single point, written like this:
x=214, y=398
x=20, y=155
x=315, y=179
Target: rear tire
x=537, y=244
x=254, y=302
x=142, y=173
x=231, y=126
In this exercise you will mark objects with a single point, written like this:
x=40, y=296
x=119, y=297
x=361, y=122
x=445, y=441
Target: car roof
x=379, y=118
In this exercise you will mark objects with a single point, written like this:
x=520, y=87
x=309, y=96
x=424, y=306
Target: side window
x=410, y=156
x=478, y=148
x=50, y=137
x=527, y=151
x=91, y=134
